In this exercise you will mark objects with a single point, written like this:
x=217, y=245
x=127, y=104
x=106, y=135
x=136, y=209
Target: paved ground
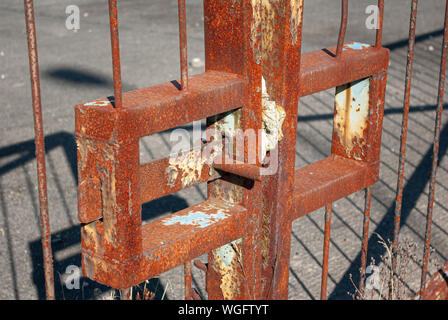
x=76, y=67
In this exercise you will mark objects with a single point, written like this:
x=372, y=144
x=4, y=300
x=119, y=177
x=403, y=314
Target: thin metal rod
x=183, y=44
x=404, y=132
x=435, y=156
x=323, y=288
x=365, y=238
x=115, y=43
x=343, y=28
x=379, y=31
x=187, y=276
x=40, y=149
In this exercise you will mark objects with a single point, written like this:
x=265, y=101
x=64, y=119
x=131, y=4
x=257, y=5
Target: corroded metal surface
x=40, y=149
x=437, y=287
x=253, y=80
x=404, y=129
x=254, y=77
x=435, y=153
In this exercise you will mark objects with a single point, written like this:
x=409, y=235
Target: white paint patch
x=99, y=103
x=356, y=46
x=227, y=257
x=198, y=218
x=189, y=164
x=352, y=111
x=273, y=116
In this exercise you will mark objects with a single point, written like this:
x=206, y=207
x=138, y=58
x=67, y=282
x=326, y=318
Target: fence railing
x=255, y=76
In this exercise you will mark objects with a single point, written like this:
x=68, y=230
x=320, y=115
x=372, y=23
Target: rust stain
x=188, y=164
x=256, y=29
x=108, y=197
x=352, y=111
x=84, y=146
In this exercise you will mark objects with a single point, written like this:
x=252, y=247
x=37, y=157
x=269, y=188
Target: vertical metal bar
x=435, y=156
x=343, y=28
x=379, y=31
x=40, y=149
x=365, y=238
x=187, y=277
x=116, y=65
x=404, y=132
x=183, y=44
x=323, y=288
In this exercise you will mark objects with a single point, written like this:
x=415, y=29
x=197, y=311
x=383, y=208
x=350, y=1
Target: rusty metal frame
x=253, y=62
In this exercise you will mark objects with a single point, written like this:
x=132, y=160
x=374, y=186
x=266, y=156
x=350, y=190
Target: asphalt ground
x=76, y=67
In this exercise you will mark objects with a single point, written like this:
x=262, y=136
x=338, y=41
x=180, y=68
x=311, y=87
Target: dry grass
x=382, y=283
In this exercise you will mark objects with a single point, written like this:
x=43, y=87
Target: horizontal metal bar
x=241, y=169
x=319, y=70
x=170, y=178
x=329, y=180
x=154, y=109
x=170, y=241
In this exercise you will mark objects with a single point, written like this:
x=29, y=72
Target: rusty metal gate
x=255, y=75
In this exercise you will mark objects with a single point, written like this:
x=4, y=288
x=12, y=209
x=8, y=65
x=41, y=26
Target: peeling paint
x=90, y=235
x=189, y=164
x=172, y=175
x=108, y=197
x=256, y=29
x=84, y=146
x=226, y=260
x=352, y=111
x=268, y=34
x=197, y=218
x=273, y=116
x=99, y=103
x=226, y=125
x=296, y=18
x=356, y=46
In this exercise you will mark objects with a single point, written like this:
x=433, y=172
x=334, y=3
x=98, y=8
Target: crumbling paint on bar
x=356, y=46
x=196, y=218
x=351, y=117
x=226, y=259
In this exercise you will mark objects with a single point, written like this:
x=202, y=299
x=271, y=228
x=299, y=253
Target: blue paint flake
x=200, y=219
x=356, y=46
